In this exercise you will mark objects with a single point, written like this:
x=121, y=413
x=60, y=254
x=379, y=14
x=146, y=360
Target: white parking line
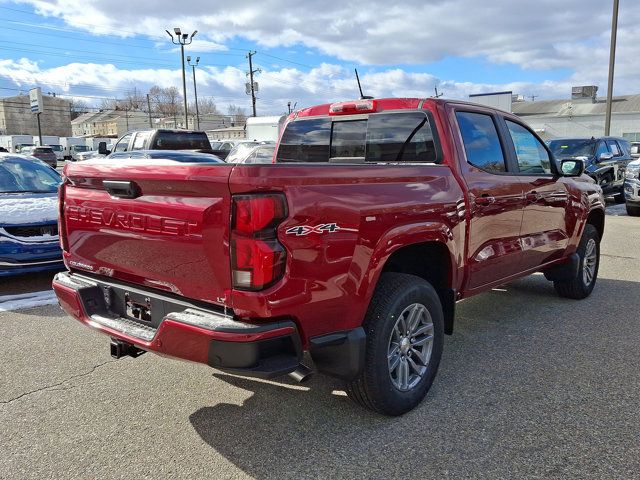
x=27, y=300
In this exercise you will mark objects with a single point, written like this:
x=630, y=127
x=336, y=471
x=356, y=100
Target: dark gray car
x=605, y=159
x=46, y=154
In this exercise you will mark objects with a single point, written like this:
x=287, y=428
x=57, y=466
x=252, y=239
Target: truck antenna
x=362, y=96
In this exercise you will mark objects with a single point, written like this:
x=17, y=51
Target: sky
x=306, y=51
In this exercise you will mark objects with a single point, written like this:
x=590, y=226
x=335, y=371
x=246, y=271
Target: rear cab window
x=181, y=141
x=386, y=137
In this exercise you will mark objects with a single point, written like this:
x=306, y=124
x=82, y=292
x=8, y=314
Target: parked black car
x=605, y=158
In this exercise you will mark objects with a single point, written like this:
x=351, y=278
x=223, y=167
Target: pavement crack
x=618, y=256
x=52, y=386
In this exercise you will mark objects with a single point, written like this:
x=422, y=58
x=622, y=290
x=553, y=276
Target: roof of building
x=106, y=116
x=560, y=108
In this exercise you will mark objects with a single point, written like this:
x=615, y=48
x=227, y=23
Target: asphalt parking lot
x=530, y=386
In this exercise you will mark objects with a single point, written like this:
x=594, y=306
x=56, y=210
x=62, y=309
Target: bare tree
x=108, y=103
x=206, y=105
x=165, y=101
x=77, y=108
x=237, y=114
x=133, y=99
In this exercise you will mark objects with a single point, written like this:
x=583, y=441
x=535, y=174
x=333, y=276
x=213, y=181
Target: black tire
x=579, y=287
x=633, y=210
x=619, y=198
x=374, y=388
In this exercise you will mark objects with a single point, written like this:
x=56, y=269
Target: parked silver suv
x=632, y=188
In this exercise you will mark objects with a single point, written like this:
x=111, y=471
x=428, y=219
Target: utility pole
x=612, y=62
x=251, y=84
x=195, y=90
x=149, y=110
x=533, y=97
x=182, y=40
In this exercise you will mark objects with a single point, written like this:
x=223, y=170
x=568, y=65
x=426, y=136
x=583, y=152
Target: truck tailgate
x=169, y=232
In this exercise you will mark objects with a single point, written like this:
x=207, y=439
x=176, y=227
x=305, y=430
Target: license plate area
x=137, y=307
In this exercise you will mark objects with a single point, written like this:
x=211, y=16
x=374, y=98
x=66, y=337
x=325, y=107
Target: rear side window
x=481, y=141
x=382, y=138
x=306, y=141
x=613, y=145
x=139, y=141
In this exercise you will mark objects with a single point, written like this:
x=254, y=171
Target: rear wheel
x=404, y=327
x=589, y=253
x=633, y=210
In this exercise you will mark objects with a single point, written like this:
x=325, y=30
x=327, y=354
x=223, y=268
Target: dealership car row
x=29, y=241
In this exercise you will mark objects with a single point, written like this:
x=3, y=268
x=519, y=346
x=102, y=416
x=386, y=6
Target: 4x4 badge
x=306, y=229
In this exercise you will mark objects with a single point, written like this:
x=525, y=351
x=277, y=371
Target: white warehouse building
x=581, y=116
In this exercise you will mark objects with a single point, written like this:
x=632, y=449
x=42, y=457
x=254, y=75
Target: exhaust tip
x=301, y=374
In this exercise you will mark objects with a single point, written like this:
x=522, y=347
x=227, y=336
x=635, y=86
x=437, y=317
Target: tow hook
x=301, y=374
x=121, y=349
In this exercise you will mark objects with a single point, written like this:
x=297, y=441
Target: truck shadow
x=513, y=383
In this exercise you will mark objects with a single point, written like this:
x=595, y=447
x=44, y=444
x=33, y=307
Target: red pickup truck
x=374, y=219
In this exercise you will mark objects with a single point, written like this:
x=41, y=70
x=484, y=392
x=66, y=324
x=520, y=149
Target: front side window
x=531, y=155
x=481, y=141
x=602, y=148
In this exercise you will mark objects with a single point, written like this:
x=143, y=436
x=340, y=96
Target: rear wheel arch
x=432, y=261
x=596, y=218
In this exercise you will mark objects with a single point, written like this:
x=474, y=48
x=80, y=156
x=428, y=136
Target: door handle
x=121, y=189
x=484, y=200
x=532, y=197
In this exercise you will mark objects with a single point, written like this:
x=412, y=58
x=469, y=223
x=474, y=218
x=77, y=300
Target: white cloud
x=540, y=36
x=368, y=31
x=326, y=83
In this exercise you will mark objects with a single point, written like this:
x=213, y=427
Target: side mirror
x=571, y=167
x=604, y=156
x=102, y=148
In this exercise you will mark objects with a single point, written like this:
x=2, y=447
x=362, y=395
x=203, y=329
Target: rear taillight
x=62, y=231
x=257, y=258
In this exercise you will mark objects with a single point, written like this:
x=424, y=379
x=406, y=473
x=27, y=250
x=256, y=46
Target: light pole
x=182, y=40
x=612, y=62
x=195, y=90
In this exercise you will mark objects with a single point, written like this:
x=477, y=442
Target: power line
x=285, y=60
x=102, y=42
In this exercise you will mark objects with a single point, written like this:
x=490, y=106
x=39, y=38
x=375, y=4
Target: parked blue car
x=28, y=216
